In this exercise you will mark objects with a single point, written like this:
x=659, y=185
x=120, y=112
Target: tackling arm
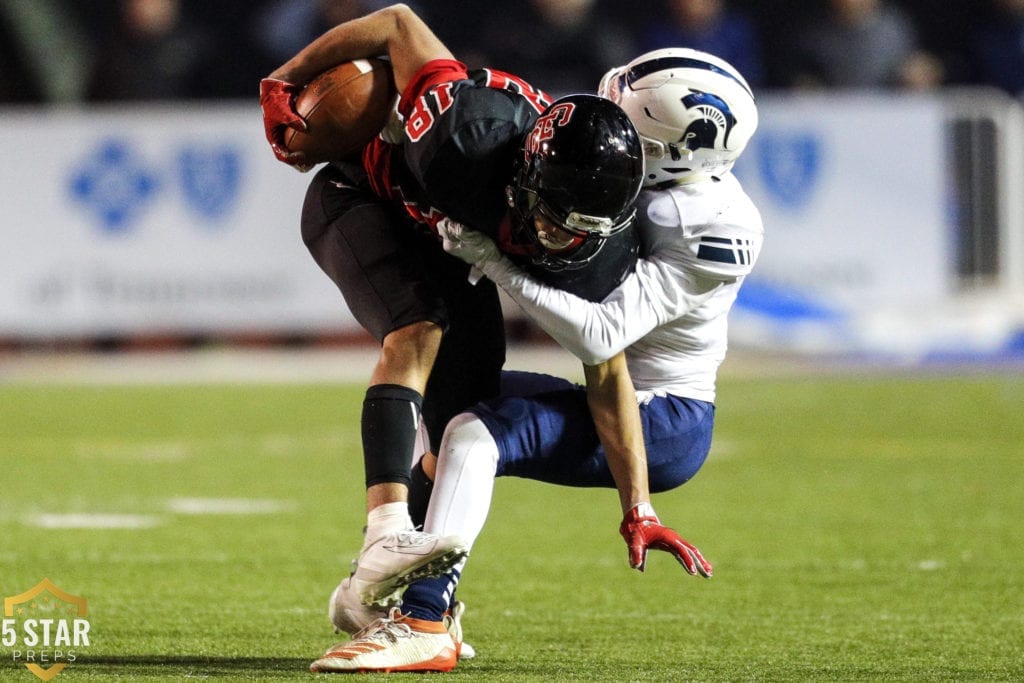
x=593, y=332
x=657, y=292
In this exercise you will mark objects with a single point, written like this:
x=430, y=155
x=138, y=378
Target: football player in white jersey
x=700, y=236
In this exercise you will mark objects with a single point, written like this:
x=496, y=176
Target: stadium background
x=143, y=210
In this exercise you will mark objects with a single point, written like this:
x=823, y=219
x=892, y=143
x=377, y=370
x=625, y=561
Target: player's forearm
x=616, y=416
x=395, y=31
x=591, y=332
x=657, y=292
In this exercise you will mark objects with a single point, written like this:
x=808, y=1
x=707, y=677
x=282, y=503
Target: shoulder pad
x=708, y=233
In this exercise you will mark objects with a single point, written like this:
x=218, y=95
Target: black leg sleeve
x=391, y=415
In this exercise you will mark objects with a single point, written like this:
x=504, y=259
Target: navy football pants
x=544, y=431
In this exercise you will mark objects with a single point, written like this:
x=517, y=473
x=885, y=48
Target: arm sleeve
x=594, y=332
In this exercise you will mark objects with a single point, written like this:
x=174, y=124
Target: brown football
x=344, y=108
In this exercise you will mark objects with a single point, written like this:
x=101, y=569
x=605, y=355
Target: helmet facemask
x=558, y=243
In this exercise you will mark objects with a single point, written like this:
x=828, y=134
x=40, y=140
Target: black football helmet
x=581, y=169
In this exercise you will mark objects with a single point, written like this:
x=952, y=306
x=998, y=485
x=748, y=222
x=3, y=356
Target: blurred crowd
x=54, y=51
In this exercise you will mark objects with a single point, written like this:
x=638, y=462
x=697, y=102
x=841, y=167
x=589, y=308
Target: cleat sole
x=381, y=592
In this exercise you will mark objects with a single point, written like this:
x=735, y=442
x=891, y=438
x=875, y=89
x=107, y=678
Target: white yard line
x=175, y=506
x=227, y=506
x=92, y=520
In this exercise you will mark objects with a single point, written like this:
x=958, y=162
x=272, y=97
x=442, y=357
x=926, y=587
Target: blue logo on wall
x=114, y=185
x=790, y=165
x=210, y=179
x=117, y=186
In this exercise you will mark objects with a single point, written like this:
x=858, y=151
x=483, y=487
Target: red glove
x=642, y=531
x=277, y=99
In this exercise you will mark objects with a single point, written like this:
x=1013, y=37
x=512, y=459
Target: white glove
x=472, y=246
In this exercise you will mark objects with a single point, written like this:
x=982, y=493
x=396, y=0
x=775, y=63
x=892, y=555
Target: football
x=344, y=107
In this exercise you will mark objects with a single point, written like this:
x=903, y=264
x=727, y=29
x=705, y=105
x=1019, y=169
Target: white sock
x=467, y=461
x=385, y=519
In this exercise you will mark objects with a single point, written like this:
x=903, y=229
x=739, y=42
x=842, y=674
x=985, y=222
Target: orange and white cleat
x=394, y=643
x=348, y=614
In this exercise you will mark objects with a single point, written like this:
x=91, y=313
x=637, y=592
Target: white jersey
x=699, y=242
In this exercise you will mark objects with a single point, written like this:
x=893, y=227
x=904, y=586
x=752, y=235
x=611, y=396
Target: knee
x=466, y=436
x=416, y=340
x=407, y=355
x=674, y=473
x=421, y=332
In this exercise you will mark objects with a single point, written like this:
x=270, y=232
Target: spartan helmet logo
x=714, y=116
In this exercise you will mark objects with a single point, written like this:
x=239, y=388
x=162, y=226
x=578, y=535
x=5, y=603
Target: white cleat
x=347, y=611
x=395, y=560
x=394, y=643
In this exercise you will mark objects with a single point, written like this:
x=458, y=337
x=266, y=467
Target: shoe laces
x=386, y=628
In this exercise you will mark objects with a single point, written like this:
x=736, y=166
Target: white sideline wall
x=153, y=220
x=173, y=220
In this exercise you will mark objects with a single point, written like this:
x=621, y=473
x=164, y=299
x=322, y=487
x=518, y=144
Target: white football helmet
x=695, y=113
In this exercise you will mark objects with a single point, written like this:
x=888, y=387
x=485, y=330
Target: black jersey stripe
x=716, y=254
x=735, y=251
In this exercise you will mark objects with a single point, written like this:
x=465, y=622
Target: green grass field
x=861, y=529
